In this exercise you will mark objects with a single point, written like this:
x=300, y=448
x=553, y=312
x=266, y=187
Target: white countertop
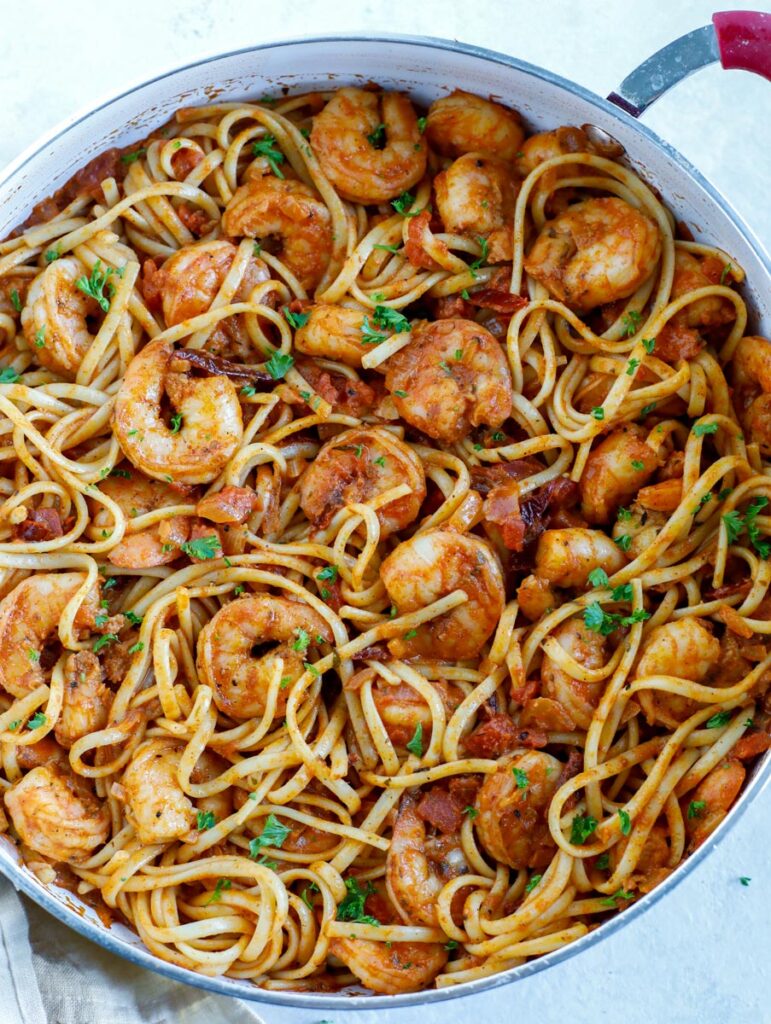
x=702, y=953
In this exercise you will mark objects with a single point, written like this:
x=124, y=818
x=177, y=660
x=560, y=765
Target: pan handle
x=738, y=39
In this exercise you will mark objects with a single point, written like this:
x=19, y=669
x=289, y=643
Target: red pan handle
x=744, y=40
x=738, y=39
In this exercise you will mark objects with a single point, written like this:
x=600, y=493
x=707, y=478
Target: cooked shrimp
x=356, y=466
x=712, y=799
x=546, y=145
x=391, y=968
x=685, y=648
x=476, y=196
x=595, y=252
x=692, y=273
x=57, y=815
x=189, y=282
x=512, y=807
x=29, y=618
x=452, y=376
x=577, y=697
x=462, y=123
x=369, y=144
x=86, y=702
x=535, y=597
x=155, y=803
x=413, y=879
x=431, y=565
x=291, y=211
x=640, y=525
x=212, y=426
x=333, y=332
x=566, y=557
x=137, y=494
x=402, y=709
x=55, y=317
x=752, y=381
x=238, y=649
x=614, y=472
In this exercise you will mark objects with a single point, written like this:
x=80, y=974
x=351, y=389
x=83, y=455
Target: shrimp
x=238, y=649
x=391, y=968
x=86, y=702
x=137, y=494
x=685, y=648
x=476, y=196
x=566, y=557
x=212, y=425
x=357, y=466
x=155, y=804
x=712, y=799
x=452, y=376
x=431, y=565
x=595, y=252
x=577, y=697
x=692, y=273
x=751, y=366
x=512, y=807
x=55, y=318
x=333, y=332
x=57, y=815
x=402, y=709
x=641, y=525
x=535, y=597
x=29, y=618
x=293, y=212
x=462, y=123
x=413, y=878
x=614, y=472
x=369, y=144
x=546, y=145
x=189, y=282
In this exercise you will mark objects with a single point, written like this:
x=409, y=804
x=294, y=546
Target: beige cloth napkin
x=51, y=975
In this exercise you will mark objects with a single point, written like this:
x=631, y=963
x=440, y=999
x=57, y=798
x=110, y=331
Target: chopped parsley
x=302, y=643
x=386, y=248
x=605, y=623
x=15, y=300
x=626, y=822
x=700, y=429
x=631, y=322
x=620, y=894
x=103, y=641
x=725, y=272
x=94, y=286
x=598, y=578
x=134, y=619
x=380, y=461
x=422, y=122
x=377, y=138
x=40, y=336
x=472, y=812
x=202, y=548
x=296, y=319
x=624, y=541
x=631, y=367
x=745, y=880
x=266, y=147
x=581, y=829
x=8, y=375
x=51, y=255
x=130, y=158
x=216, y=896
x=273, y=834
x=638, y=464
x=415, y=746
x=696, y=808
x=369, y=336
x=37, y=720
x=623, y=515
x=603, y=861
x=390, y=319
x=520, y=777
x=649, y=344
x=719, y=720
x=482, y=258
x=279, y=364
x=351, y=908
x=136, y=648
x=598, y=412
x=204, y=820
x=329, y=572
x=403, y=204
x=533, y=883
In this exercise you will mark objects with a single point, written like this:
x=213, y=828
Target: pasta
x=383, y=547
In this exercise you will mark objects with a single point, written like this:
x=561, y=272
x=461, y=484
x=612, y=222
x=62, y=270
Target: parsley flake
x=266, y=147
x=273, y=834
x=415, y=746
